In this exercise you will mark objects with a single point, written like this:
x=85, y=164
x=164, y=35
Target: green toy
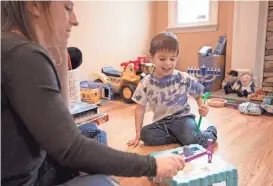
x=204, y=97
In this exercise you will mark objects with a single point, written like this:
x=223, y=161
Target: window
x=193, y=15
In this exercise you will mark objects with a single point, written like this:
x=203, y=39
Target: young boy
x=165, y=90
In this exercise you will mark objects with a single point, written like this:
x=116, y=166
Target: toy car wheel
x=98, y=81
x=127, y=92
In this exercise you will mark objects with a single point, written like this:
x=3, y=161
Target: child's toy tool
x=204, y=97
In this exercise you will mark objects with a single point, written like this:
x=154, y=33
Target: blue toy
x=200, y=170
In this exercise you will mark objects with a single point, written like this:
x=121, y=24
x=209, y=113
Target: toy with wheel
x=123, y=83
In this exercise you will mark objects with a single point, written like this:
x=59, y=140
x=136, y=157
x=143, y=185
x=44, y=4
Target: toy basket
x=74, y=86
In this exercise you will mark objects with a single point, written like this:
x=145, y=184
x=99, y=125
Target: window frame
x=211, y=25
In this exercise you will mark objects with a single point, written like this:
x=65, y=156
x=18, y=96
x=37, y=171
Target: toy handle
x=204, y=97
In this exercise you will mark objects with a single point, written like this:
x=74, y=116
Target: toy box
x=200, y=169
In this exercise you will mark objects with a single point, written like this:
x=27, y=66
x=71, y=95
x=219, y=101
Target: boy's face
x=165, y=62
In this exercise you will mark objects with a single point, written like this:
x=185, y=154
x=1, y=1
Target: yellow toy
x=91, y=96
x=124, y=82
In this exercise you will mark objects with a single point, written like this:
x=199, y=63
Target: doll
x=244, y=85
x=229, y=81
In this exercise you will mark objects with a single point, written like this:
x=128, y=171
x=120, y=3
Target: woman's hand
x=168, y=166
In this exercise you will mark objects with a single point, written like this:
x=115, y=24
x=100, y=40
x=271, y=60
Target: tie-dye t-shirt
x=167, y=95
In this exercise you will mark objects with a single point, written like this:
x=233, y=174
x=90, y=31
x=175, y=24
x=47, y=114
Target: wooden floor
x=243, y=140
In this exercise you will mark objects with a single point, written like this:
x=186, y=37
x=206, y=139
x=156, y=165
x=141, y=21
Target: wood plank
x=268, y=64
x=270, y=38
x=270, y=3
x=270, y=19
x=268, y=79
x=268, y=89
x=268, y=34
x=267, y=84
x=268, y=69
x=270, y=29
x=269, y=52
x=269, y=45
x=270, y=13
x=268, y=74
x=269, y=58
x=270, y=24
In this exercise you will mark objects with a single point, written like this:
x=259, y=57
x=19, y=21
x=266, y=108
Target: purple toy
x=189, y=156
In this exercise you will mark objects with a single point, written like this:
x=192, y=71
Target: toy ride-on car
x=125, y=82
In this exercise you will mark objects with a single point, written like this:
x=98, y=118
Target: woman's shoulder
x=11, y=42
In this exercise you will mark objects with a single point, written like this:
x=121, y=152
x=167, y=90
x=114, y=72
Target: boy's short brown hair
x=164, y=41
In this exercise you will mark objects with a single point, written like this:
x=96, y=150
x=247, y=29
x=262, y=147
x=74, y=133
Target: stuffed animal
x=244, y=85
x=229, y=81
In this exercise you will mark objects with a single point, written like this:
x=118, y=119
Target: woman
x=36, y=121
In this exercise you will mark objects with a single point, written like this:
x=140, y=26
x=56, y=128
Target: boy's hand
x=203, y=110
x=134, y=142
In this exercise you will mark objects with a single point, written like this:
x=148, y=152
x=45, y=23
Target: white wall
x=248, y=43
x=111, y=33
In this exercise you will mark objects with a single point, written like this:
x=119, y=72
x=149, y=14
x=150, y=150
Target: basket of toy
x=267, y=104
x=74, y=86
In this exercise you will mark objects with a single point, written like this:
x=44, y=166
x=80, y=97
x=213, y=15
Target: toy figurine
x=229, y=81
x=245, y=84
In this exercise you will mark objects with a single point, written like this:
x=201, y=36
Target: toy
x=84, y=113
x=137, y=63
x=204, y=97
x=105, y=89
x=124, y=82
x=200, y=168
x=244, y=85
x=231, y=104
x=217, y=102
x=228, y=83
x=267, y=104
x=259, y=95
x=206, y=76
x=91, y=96
x=250, y=109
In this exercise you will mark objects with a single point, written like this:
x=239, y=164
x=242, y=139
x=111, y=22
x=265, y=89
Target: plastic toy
x=199, y=170
x=84, y=113
x=206, y=76
x=267, y=104
x=231, y=105
x=105, y=90
x=137, y=63
x=124, y=82
x=259, y=95
x=217, y=102
x=204, y=97
x=91, y=96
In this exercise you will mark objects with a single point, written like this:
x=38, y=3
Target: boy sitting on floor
x=166, y=92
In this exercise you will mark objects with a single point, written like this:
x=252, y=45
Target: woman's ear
x=34, y=8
